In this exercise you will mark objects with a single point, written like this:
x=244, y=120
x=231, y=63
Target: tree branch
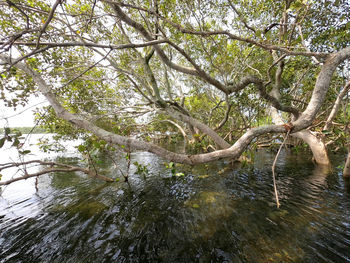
x=304, y=120
x=61, y=168
x=263, y=45
x=336, y=106
x=89, y=44
x=47, y=21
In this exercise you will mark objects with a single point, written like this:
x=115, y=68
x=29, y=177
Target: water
x=215, y=213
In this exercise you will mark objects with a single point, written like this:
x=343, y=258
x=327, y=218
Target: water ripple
x=214, y=214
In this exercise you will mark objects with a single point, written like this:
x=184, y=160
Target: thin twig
x=52, y=12
x=273, y=170
x=81, y=74
x=90, y=161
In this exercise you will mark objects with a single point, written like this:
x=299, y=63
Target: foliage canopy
x=208, y=70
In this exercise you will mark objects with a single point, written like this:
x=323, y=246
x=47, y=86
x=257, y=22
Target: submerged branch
x=54, y=167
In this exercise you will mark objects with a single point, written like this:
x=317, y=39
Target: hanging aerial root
x=273, y=169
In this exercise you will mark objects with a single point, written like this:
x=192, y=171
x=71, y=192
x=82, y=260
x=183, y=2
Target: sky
x=23, y=116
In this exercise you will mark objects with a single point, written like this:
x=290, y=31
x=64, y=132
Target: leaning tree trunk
x=316, y=145
x=346, y=172
x=304, y=120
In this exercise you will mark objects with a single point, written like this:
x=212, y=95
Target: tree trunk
x=316, y=145
x=346, y=172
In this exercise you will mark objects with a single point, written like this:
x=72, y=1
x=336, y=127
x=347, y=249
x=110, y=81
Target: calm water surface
x=215, y=213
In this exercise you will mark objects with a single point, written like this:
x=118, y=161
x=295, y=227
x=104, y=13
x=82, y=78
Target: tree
x=346, y=171
x=220, y=68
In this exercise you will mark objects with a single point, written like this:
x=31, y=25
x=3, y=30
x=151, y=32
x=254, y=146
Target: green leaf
x=2, y=141
x=24, y=152
x=81, y=148
x=7, y=131
x=16, y=142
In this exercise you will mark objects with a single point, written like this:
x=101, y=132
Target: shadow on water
x=216, y=213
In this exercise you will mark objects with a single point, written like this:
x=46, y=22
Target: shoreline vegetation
x=26, y=130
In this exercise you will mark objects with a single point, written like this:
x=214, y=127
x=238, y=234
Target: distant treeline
x=26, y=130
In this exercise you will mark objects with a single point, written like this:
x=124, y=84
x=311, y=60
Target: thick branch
x=336, y=107
x=262, y=91
x=199, y=125
x=266, y=46
x=321, y=87
x=304, y=120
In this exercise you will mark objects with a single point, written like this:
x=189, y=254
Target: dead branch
x=54, y=167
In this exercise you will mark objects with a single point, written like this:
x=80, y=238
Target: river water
x=214, y=213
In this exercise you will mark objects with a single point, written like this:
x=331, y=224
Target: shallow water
x=215, y=213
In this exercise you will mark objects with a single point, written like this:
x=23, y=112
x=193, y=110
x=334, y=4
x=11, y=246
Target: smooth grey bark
x=316, y=145
x=199, y=125
x=346, y=172
x=336, y=107
x=321, y=87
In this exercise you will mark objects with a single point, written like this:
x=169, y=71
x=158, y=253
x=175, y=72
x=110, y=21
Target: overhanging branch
x=88, y=44
x=285, y=49
x=305, y=119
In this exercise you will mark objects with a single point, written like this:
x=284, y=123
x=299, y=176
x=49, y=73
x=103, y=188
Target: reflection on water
x=216, y=213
